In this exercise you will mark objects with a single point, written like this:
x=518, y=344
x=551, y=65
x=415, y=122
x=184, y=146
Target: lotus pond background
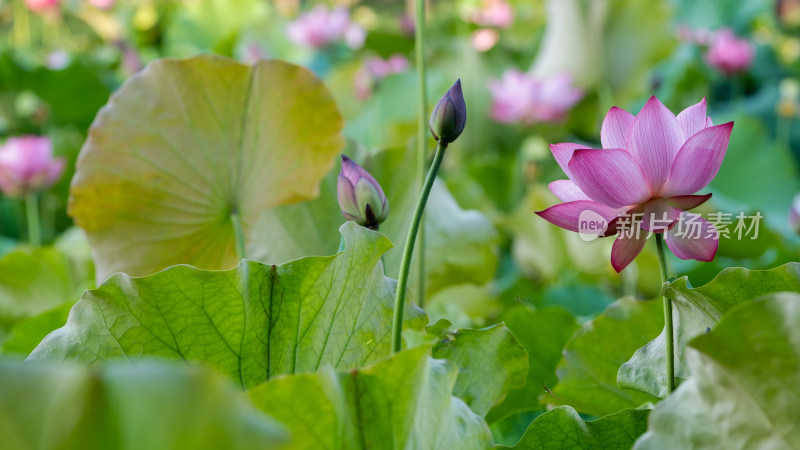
x=172, y=116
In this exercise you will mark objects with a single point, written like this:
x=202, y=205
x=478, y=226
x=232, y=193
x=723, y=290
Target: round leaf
x=186, y=143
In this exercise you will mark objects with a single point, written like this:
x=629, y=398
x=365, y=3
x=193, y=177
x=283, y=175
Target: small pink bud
x=449, y=115
x=360, y=196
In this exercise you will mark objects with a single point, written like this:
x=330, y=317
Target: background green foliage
x=532, y=340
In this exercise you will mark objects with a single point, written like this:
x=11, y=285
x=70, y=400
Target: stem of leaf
x=238, y=234
x=34, y=222
x=422, y=110
x=408, y=250
x=668, y=332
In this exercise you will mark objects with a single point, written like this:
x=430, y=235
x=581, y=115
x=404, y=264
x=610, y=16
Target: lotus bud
x=449, y=116
x=27, y=165
x=360, y=196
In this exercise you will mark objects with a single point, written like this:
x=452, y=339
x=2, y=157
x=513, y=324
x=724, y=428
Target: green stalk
x=662, y=259
x=408, y=251
x=422, y=111
x=34, y=223
x=238, y=234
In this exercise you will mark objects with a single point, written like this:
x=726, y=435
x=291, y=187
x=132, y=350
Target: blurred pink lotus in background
x=699, y=36
x=794, y=214
x=102, y=4
x=650, y=164
x=321, y=27
x=729, y=54
x=407, y=25
x=27, y=165
x=381, y=68
x=493, y=13
x=484, y=39
x=376, y=69
x=42, y=6
x=519, y=97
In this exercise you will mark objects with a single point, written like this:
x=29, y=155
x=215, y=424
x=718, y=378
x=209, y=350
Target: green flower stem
x=422, y=111
x=408, y=251
x=668, y=332
x=238, y=234
x=34, y=221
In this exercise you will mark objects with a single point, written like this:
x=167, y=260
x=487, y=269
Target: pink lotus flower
x=521, y=98
x=321, y=27
x=493, y=13
x=27, y=165
x=650, y=164
x=728, y=53
x=42, y=6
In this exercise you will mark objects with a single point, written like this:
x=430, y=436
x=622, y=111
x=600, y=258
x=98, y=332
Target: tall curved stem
x=422, y=111
x=408, y=250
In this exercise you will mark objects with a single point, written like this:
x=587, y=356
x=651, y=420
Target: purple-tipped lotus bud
x=360, y=197
x=450, y=115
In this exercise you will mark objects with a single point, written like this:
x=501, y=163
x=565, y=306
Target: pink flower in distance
x=376, y=69
x=381, y=68
x=321, y=27
x=483, y=39
x=493, y=13
x=794, y=214
x=521, y=98
x=42, y=6
x=27, y=165
x=729, y=54
x=102, y=4
x=650, y=164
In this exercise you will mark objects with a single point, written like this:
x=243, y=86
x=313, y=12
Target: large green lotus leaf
x=696, y=311
x=563, y=428
x=587, y=376
x=491, y=361
x=461, y=245
x=544, y=333
x=183, y=145
x=35, y=281
x=404, y=402
x=143, y=406
x=252, y=322
x=744, y=391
